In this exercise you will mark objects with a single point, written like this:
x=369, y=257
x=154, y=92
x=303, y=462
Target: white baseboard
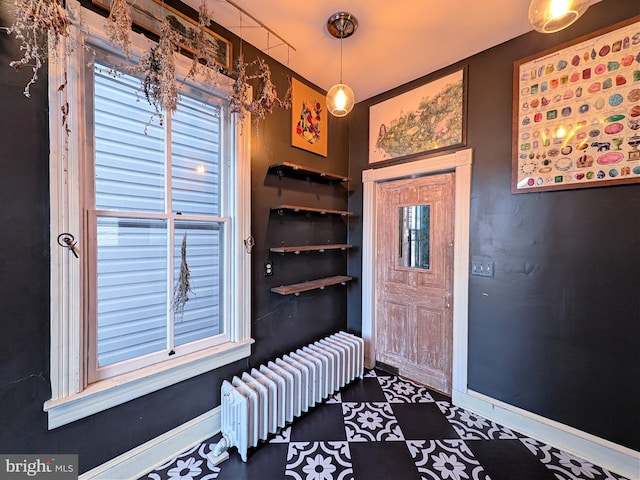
x=141, y=460
x=613, y=457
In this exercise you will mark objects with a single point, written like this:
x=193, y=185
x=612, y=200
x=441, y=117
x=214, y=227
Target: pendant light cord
x=341, y=58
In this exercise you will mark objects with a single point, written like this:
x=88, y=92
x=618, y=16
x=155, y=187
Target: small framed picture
x=308, y=118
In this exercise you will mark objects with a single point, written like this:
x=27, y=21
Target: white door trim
x=460, y=162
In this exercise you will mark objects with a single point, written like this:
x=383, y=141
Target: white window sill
x=115, y=391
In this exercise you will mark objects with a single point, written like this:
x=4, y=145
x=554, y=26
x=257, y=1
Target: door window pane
x=414, y=236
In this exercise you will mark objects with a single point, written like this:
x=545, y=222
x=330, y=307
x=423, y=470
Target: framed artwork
x=428, y=118
x=576, y=113
x=308, y=118
x=149, y=15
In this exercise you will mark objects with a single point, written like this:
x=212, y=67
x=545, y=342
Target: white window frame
x=72, y=397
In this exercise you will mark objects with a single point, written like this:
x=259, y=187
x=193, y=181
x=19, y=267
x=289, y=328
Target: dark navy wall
x=556, y=330
x=279, y=324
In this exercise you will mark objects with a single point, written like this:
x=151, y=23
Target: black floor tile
x=382, y=461
x=324, y=423
x=423, y=421
x=439, y=396
x=267, y=462
x=508, y=459
x=365, y=390
x=382, y=373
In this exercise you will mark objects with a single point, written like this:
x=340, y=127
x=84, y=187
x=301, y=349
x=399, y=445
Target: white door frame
x=460, y=163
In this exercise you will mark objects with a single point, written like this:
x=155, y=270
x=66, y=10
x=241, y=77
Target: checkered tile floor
x=385, y=427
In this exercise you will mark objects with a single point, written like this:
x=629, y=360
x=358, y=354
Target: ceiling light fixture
x=548, y=16
x=340, y=97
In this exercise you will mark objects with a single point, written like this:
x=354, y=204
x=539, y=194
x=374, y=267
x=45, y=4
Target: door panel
x=430, y=338
x=398, y=318
x=413, y=313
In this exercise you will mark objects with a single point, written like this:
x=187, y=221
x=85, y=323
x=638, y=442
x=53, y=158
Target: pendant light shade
x=340, y=100
x=548, y=16
x=340, y=97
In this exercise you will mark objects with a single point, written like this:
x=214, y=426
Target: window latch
x=67, y=240
x=249, y=242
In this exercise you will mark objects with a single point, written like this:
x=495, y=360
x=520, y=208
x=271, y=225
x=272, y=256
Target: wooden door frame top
x=460, y=163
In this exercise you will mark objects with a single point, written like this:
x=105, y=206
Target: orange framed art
x=308, y=118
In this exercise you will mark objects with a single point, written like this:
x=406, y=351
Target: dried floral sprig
x=240, y=92
x=267, y=96
x=158, y=68
x=287, y=101
x=40, y=25
x=118, y=25
x=183, y=287
x=267, y=93
x=205, y=51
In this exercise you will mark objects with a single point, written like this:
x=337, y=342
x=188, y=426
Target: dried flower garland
x=183, y=288
x=204, y=51
x=158, y=68
x=267, y=96
x=240, y=92
x=118, y=25
x=36, y=22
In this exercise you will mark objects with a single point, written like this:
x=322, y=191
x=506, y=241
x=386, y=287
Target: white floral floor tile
x=190, y=465
x=399, y=390
x=370, y=422
x=474, y=427
x=283, y=436
x=335, y=398
x=445, y=459
x=319, y=461
x=566, y=466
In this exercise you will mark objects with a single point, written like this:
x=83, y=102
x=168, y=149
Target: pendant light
x=340, y=97
x=548, y=16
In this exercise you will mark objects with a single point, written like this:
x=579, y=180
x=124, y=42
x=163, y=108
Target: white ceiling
x=396, y=41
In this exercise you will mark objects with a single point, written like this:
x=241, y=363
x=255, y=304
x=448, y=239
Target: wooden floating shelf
x=311, y=248
x=299, y=209
x=298, y=171
x=319, y=284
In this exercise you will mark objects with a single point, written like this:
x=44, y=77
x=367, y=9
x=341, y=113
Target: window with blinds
x=132, y=191
x=157, y=192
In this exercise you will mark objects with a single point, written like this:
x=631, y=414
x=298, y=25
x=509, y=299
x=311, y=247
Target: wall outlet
x=268, y=269
x=482, y=268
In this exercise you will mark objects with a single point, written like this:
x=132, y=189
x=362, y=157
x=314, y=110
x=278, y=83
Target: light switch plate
x=482, y=268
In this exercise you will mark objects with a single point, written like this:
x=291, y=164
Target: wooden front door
x=414, y=324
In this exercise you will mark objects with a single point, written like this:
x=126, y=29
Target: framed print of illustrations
x=427, y=118
x=308, y=118
x=576, y=113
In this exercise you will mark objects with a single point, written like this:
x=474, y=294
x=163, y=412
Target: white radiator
x=259, y=403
